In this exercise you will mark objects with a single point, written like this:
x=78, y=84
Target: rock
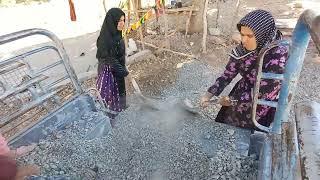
x=230, y=131
x=298, y=5
x=234, y=146
x=316, y=58
x=215, y=177
x=208, y=136
x=53, y=166
x=217, y=40
x=145, y=54
x=179, y=65
x=214, y=31
x=236, y=38
x=132, y=47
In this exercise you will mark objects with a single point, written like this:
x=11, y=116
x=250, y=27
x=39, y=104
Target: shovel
x=147, y=102
x=187, y=105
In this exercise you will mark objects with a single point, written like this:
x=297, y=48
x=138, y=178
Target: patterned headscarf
x=264, y=28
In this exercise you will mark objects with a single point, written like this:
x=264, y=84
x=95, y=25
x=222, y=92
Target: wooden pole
x=135, y=3
x=205, y=27
x=235, y=15
x=127, y=23
x=167, y=44
x=104, y=6
x=188, y=21
x=218, y=13
x=72, y=11
x=168, y=50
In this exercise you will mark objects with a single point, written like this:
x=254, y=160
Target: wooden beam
x=235, y=15
x=186, y=9
x=205, y=28
x=127, y=23
x=188, y=22
x=166, y=27
x=168, y=50
x=135, y=3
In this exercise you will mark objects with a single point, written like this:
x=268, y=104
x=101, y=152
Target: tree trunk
x=196, y=22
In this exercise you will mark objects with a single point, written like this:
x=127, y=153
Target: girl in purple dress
x=257, y=30
x=111, y=56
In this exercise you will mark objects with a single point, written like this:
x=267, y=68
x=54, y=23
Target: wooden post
x=127, y=24
x=72, y=11
x=167, y=42
x=135, y=3
x=235, y=15
x=218, y=13
x=104, y=6
x=188, y=21
x=205, y=27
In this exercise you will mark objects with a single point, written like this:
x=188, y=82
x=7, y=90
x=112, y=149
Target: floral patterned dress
x=240, y=114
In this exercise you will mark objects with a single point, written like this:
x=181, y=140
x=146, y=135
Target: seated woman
x=257, y=30
x=111, y=57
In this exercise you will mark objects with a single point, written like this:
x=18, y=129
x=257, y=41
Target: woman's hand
x=23, y=150
x=225, y=101
x=205, y=99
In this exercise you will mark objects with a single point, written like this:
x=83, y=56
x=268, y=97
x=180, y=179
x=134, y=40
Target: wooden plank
x=188, y=22
x=186, y=9
x=205, y=27
x=167, y=43
x=168, y=50
x=135, y=3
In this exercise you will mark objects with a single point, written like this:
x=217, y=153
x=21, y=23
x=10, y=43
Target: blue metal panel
x=300, y=41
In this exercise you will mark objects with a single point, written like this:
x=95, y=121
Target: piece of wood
x=134, y=4
x=127, y=23
x=166, y=27
x=72, y=11
x=104, y=6
x=235, y=15
x=205, y=27
x=218, y=13
x=188, y=22
x=139, y=56
x=168, y=50
x=168, y=11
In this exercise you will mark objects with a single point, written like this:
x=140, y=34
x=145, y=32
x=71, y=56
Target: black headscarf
x=108, y=42
x=264, y=28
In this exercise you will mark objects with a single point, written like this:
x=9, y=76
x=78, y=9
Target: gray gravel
x=147, y=144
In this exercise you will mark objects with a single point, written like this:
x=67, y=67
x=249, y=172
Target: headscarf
x=110, y=36
x=264, y=28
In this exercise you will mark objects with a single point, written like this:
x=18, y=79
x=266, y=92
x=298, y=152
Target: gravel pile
x=148, y=144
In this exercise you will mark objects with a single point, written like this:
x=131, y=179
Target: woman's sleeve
x=228, y=75
x=118, y=69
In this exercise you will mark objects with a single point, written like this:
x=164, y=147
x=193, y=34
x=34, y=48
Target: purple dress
x=240, y=114
x=108, y=88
